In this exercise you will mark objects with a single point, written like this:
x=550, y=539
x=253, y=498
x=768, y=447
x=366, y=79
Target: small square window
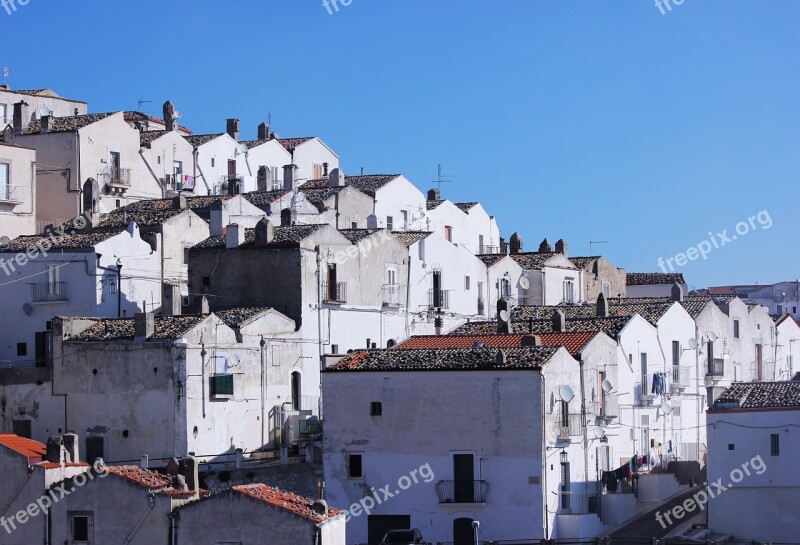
x=375, y=408
x=119, y=203
x=730, y=446
x=354, y=225
x=334, y=349
x=206, y=281
x=22, y=349
x=774, y=444
x=354, y=466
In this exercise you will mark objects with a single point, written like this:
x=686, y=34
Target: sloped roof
x=29, y=448
x=167, y=328
x=490, y=259
x=466, y=206
x=284, y=237
x=294, y=504
x=291, y=143
x=533, y=260
x=357, y=235
x=370, y=183
x=433, y=204
x=198, y=140
x=582, y=262
x=148, y=137
x=66, y=124
x=238, y=317
x=46, y=93
x=410, y=237
x=264, y=198
x=757, y=395
x=611, y=326
x=76, y=241
x=573, y=342
x=654, y=279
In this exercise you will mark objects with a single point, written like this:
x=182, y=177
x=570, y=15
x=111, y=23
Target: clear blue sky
x=587, y=120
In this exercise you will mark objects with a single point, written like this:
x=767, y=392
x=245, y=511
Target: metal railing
x=47, y=292
x=334, y=293
x=680, y=375
x=12, y=193
x=311, y=430
x=767, y=372
x=20, y=364
x=716, y=367
x=118, y=176
x=571, y=428
x=489, y=249
x=391, y=294
x=462, y=491
x=439, y=299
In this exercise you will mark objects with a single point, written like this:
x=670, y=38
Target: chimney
x=677, y=292
x=55, y=452
x=169, y=116
x=171, y=300
x=187, y=467
x=501, y=358
x=144, y=461
x=336, y=178
x=204, y=307
x=545, y=247
x=503, y=246
x=21, y=119
x=289, y=177
x=324, y=170
x=45, y=124
x=265, y=232
x=179, y=484
x=233, y=129
x=516, y=243
x=179, y=202
x=144, y=325
x=286, y=217
x=261, y=179
x=263, y=132
x=602, y=306
x=559, y=322
x=531, y=341
x=234, y=236
x=320, y=507
x=561, y=247
x=72, y=446
x=219, y=219
x=434, y=195
x=372, y=221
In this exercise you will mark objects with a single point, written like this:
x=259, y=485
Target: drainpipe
x=319, y=310
x=542, y=395
x=583, y=422
x=408, y=291
x=173, y=528
x=197, y=167
x=262, y=343
x=203, y=375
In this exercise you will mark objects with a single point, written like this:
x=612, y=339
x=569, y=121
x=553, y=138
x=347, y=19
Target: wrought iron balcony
x=680, y=375
x=716, y=367
x=118, y=176
x=334, y=292
x=49, y=292
x=462, y=491
x=311, y=430
x=571, y=427
x=438, y=299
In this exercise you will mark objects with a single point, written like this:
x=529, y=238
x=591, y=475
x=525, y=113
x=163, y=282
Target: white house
x=788, y=347
x=313, y=158
x=464, y=224
x=399, y=205
x=753, y=435
x=552, y=278
x=17, y=190
x=653, y=284
x=40, y=102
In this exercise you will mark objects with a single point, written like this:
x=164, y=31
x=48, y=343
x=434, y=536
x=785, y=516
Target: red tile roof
x=53, y=465
x=573, y=342
x=143, y=477
x=297, y=505
x=34, y=450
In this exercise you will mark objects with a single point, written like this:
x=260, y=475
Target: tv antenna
x=140, y=103
x=6, y=73
x=442, y=178
x=592, y=242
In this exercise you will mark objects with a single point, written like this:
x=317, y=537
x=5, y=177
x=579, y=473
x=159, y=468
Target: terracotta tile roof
x=238, y=317
x=317, y=196
x=53, y=465
x=490, y=259
x=198, y=140
x=652, y=312
x=654, y=279
x=544, y=312
x=722, y=290
x=370, y=183
x=432, y=205
x=357, y=235
x=751, y=395
x=254, y=143
x=466, y=206
x=285, y=237
x=294, y=504
x=611, y=326
x=573, y=342
x=291, y=143
x=147, y=478
x=77, y=241
x=265, y=198
x=582, y=262
x=66, y=124
x=444, y=359
x=167, y=328
x=33, y=450
x=533, y=260
x=131, y=117
x=411, y=237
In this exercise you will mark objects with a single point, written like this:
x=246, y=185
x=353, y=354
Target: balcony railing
x=21, y=364
x=119, y=176
x=462, y=491
x=221, y=386
x=571, y=428
x=12, y=193
x=391, y=295
x=334, y=293
x=680, y=375
x=48, y=292
x=311, y=430
x=767, y=372
x=489, y=249
x=438, y=299
x=716, y=367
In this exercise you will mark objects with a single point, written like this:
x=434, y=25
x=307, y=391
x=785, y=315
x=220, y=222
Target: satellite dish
x=712, y=336
x=693, y=343
x=667, y=408
x=27, y=308
x=599, y=432
x=524, y=283
x=504, y=315
x=566, y=393
x=607, y=386
x=235, y=360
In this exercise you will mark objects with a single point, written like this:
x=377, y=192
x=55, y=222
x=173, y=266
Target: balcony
x=572, y=427
x=439, y=299
x=117, y=179
x=231, y=184
x=462, y=491
x=487, y=250
x=334, y=292
x=49, y=292
x=221, y=386
x=716, y=367
x=391, y=295
x=12, y=194
x=680, y=378
x=763, y=373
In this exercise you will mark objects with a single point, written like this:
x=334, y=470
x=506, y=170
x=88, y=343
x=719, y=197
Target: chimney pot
x=72, y=447
x=144, y=324
x=20, y=119
x=434, y=195
x=531, y=341
x=516, y=243
x=561, y=247
x=559, y=322
x=336, y=178
x=45, y=124
x=233, y=128
x=55, y=452
x=677, y=292
x=545, y=247
x=263, y=132
x=170, y=117
x=179, y=202
x=602, y=306
x=219, y=219
x=265, y=232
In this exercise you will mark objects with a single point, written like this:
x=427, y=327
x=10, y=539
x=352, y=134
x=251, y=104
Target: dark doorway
x=296, y=391
x=437, y=289
x=464, y=478
x=378, y=525
x=463, y=533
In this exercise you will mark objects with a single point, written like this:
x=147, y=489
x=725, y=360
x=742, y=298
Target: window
x=466, y=283
x=774, y=444
x=448, y=233
x=5, y=178
x=159, y=159
x=606, y=290
x=404, y=216
x=22, y=428
x=186, y=256
x=736, y=329
x=390, y=223
x=643, y=364
x=731, y=446
x=780, y=310
x=318, y=170
x=391, y=277
x=177, y=168
x=375, y=408
x=354, y=225
x=334, y=349
x=80, y=527
x=296, y=389
x=94, y=449
x=22, y=349
x=676, y=354
x=569, y=290
x=213, y=162
x=354, y=466
x=4, y=113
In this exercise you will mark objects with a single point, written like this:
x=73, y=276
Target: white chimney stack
x=234, y=236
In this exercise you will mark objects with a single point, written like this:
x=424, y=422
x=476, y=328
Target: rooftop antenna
x=141, y=102
x=6, y=73
x=593, y=242
x=442, y=178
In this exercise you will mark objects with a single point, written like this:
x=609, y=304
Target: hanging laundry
x=659, y=383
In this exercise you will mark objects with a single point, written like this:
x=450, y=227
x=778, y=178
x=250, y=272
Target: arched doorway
x=463, y=533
